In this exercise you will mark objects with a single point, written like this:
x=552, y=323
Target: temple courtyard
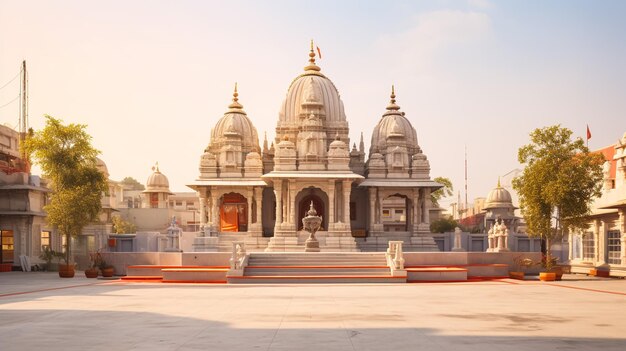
x=41, y=311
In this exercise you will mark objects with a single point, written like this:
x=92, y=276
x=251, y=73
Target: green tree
x=121, y=226
x=443, y=225
x=66, y=157
x=559, y=180
x=133, y=184
x=446, y=191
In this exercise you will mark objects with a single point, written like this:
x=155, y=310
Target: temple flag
x=588, y=133
x=319, y=52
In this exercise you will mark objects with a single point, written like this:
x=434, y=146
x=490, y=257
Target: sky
x=151, y=78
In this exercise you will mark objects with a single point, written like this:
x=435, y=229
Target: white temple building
x=261, y=195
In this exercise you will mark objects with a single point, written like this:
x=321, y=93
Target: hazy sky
x=151, y=78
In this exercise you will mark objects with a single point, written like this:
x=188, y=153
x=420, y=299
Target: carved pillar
x=214, y=211
x=203, y=213
x=425, y=212
x=258, y=200
x=347, y=187
x=292, y=202
x=278, y=191
x=379, y=208
x=249, y=198
x=416, y=206
x=331, y=203
x=601, y=243
x=372, y=214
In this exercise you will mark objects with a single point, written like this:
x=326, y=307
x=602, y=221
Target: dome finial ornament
x=312, y=66
x=499, y=186
x=392, y=104
x=235, y=104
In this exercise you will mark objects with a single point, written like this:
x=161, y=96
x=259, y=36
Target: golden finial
x=235, y=104
x=312, y=66
x=499, y=182
x=155, y=168
x=392, y=104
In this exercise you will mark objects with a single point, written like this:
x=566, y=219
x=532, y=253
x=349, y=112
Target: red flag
x=588, y=133
x=319, y=52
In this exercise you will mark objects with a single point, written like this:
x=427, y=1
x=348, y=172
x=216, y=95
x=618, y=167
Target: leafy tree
x=66, y=157
x=443, y=225
x=559, y=181
x=121, y=226
x=133, y=184
x=446, y=191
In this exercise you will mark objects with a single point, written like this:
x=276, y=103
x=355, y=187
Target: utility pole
x=23, y=108
x=466, y=177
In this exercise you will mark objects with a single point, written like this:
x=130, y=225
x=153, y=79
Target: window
x=589, y=246
x=386, y=213
x=45, y=239
x=6, y=239
x=179, y=203
x=614, y=247
x=399, y=212
x=154, y=200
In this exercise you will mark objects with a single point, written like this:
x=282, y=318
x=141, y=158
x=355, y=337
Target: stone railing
x=395, y=257
x=238, y=258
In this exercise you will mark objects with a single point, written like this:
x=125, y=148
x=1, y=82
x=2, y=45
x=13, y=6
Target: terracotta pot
x=558, y=271
x=516, y=275
x=108, y=272
x=547, y=276
x=91, y=273
x=66, y=270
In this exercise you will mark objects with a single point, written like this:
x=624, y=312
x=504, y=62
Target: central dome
x=311, y=92
x=235, y=124
x=394, y=126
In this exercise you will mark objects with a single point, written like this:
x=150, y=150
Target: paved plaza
x=39, y=311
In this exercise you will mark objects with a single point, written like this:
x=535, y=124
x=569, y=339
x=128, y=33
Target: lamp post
x=311, y=223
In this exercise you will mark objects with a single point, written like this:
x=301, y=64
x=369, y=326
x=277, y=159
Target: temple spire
x=312, y=66
x=265, y=149
x=235, y=104
x=392, y=104
x=361, y=144
x=499, y=186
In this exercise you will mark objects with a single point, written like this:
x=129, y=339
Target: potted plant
x=47, y=255
x=551, y=271
x=521, y=263
x=107, y=269
x=94, y=262
x=66, y=270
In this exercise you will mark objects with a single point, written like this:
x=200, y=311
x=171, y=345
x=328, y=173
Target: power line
x=8, y=103
x=9, y=82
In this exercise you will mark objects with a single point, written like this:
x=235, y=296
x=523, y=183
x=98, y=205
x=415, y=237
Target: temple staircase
x=318, y=267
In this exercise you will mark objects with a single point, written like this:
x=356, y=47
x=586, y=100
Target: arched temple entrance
x=319, y=199
x=234, y=213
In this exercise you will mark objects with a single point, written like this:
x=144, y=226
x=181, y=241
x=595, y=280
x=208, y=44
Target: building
x=260, y=195
x=23, y=230
x=602, y=246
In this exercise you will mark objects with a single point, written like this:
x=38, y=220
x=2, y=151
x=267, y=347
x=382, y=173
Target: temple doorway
x=396, y=213
x=234, y=213
x=305, y=204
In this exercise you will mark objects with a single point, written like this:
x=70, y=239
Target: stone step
x=194, y=275
x=319, y=273
x=327, y=279
x=436, y=274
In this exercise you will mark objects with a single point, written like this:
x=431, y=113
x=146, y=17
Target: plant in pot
x=94, y=263
x=68, y=160
x=521, y=263
x=47, y=255
x=560, y=179
x=107, y=269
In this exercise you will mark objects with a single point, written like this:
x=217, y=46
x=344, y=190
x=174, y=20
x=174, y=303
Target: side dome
x=394, y=126
x=157, y=182
x=499, y=197
x=102, y=167
x=311, y=92
x=235, y=124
